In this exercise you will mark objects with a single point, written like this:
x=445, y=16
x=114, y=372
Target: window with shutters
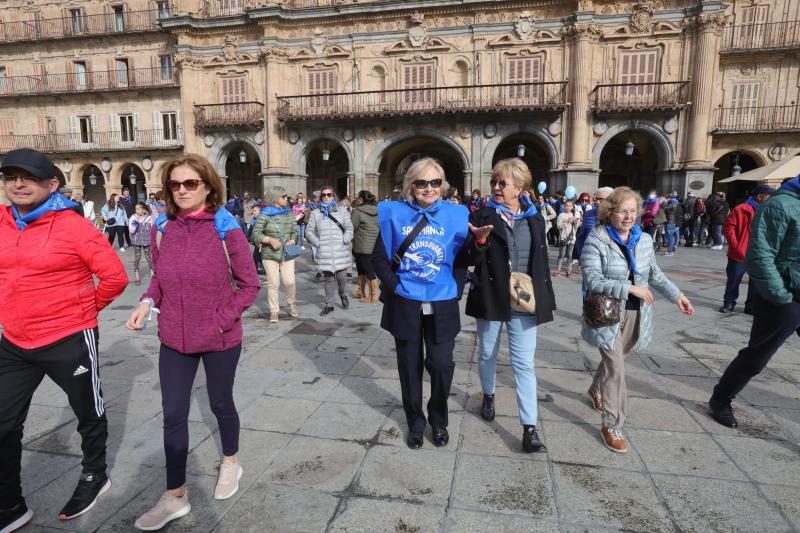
x=744, y=103
x=76, y=21
x=126, y=128
x=233, y=90
x=6, y=134
x=163, y=9
x=167, y=69
x=5, y=86
x=85, y=129
x=80, y=73
x=639, y=74
x=416, y=78
x=230, y=7
x=521, y=74
x=752, y=27
x=122, y=70
x=169, y=126
x=119, y=18
x=321, y=82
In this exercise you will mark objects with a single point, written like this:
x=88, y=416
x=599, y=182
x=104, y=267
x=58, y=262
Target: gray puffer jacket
x=333, y=251
x=605, y=271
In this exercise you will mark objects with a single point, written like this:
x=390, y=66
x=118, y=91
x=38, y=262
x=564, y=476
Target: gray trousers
x=609, y=379
x=332, y=280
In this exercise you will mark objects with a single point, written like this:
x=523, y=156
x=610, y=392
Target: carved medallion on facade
x=258, y=138
x=554, y=128
x=525, y=26
x=318, y=41
x=208, y=140
x=293, y=136
x=490, y=130
x=671, y=125
x=418, y=32
x=464, y=131
x=347, y=135
x=370, y=133
x=641, y=18
x=777, y=151
x=600, y=128
x=231, y=48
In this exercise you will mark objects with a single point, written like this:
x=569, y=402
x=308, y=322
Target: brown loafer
x=614, y=440
x=596, y=401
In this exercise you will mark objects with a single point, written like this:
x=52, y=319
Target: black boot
x=487, y=409
x=726, y=308
x=530, y=440
x=440, y=436
x=345, y=301
x=722, y=412
x=328, y=309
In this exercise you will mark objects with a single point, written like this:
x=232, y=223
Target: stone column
x=275, y=132
x=583, y=35
x=706, y=30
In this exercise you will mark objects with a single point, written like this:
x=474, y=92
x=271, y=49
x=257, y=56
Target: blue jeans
x=302, y=229
x=673, y=232
x=521, y=331
x=716, y=234
x=735, y=271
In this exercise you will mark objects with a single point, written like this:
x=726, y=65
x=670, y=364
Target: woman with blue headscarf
x=420, y=288
x=618, y=260
x=516, y=244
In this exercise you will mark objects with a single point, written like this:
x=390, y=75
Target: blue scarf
x=271, y=210
x=752, y=202
x=529, y=212
x=633, y=239
x=325, y=208
x=56, y=202
x=428, y=212
x=792, y=185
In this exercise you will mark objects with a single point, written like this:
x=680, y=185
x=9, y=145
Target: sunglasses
x=423, y=184
x=26, y=180
x=190, y=185
x=284, y=196
x=498, y=183
x=327, y=195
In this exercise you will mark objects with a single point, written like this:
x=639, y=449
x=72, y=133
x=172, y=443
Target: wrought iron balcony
x=761, y=37
x=89, y=82
x=240, y=114
x=95, y=141
x=221, y=8
x=82, y=25
x=757, y=119
x=627, y=97
x=549, y=96
x=302, y=4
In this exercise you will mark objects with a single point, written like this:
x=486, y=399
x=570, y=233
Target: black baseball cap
x=34, y=163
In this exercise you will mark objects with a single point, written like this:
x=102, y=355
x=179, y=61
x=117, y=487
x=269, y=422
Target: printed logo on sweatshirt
x=80, y=370
x=423, y=259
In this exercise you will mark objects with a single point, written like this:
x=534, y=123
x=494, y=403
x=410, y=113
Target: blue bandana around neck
x=56, y=202
x=752, y=202
x=633, y=239
x=428, y=212
x=325, y=208
x=528, y=212
x=792, y=185
x=224, y=222
x=271, y=210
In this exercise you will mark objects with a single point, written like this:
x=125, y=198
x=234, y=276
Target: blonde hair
x=415, y=171
x=614, y=200
x=516, y=169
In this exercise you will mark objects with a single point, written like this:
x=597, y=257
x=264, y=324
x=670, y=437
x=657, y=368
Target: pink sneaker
x=228, y=481
x=167, y=509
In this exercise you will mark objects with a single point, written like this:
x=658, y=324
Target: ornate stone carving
x=777, y=151
x=490, y=130
x=188, y=59
x=293, y=136
x=671, y=125
x=370, y=133
x=347, y=135
x=600, y=128
x=230, y=50
x=464, y=131
x=586, y=30
x=208, y=140
x=258, y=138
x=711, y=22
x=641, y=18
x=554, y=128
x=418, y=32
x=525, y=26
x=318, y=41
x=271, y=52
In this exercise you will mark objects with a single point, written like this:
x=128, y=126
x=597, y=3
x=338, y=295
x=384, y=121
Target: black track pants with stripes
x=72, y=364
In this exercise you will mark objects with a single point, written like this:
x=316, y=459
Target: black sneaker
x=345, y=301
x=319, y=275
x=723, y=413
x=14, y=518
x=487, y=409
x=530, y=440
x=90, y=487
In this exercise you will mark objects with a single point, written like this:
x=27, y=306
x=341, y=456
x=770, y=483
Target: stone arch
x=377, y=153
x=663, y=145
x=540, y=134
x=297, y=161
x=758, y=156
x=218, y=152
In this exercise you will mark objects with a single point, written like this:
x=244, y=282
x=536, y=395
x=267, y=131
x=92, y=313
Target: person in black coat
x=421, y=290
x=517, y=243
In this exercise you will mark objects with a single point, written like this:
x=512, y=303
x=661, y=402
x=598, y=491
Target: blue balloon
x=541, y=187
x=570, y=192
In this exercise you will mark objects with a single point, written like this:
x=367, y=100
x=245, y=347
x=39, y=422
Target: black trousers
x=118, y=233
x=772, y=325
x=72, y=364
x=364, y=265
x=437, y=359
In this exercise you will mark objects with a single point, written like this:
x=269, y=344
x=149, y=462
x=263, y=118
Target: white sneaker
x=717, y=247
x=121, y=248
x=167, y=509
x=228, y=482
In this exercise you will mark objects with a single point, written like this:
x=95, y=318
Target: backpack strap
x=397, y=258
x=335, y=221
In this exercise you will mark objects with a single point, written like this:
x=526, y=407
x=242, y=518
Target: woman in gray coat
x=618, y=260
x=330, y=231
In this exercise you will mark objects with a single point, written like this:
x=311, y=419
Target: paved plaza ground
x=322, y=441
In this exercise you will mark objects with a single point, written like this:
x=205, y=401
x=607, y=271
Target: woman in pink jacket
x=205, y=279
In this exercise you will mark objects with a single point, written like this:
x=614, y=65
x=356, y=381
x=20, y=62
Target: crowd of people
x=425, y=248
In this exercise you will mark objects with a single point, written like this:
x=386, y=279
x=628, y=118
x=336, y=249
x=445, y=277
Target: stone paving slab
x=323, y=429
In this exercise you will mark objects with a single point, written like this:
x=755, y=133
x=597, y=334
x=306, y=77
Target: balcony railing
x=765, y=36
x=90, y=81
x=626, y=97
x=95, y=141
x=757, y=119
x=240, y=114
x=82, y=25
x=434, y=100
x=302, y=4
x=221, y=8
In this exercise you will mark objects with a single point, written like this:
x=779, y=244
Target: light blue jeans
x=521, y=331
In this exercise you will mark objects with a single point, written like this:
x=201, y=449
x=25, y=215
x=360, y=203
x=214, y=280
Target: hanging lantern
x=521, y=150
x=736, y=169
x=92, y=178
x=242, y=157
x=629, y=148
x=326, y=154
x=132, y=177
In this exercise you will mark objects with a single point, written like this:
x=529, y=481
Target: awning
x=778, y=171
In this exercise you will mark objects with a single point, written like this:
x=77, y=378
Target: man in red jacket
x=737, y=232
x=48, y=310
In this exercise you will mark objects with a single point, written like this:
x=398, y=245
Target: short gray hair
x=273, y=193
x=607, y=190
x=415, y=171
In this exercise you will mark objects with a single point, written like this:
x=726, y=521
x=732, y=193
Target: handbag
x=601, y=310
x=290, y=251
x=397, y=258
x=522, y=297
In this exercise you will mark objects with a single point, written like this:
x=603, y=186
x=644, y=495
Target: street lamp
x=736, y=169
x=629, y=147
x=132, y=177
x=92, y=178
x=521, y=150
x=326, y=154
x=242, y=157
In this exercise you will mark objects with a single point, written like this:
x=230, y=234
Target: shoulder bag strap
x=341, y=226
x=398, y=255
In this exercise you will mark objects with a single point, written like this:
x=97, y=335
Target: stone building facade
x=661, y=94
